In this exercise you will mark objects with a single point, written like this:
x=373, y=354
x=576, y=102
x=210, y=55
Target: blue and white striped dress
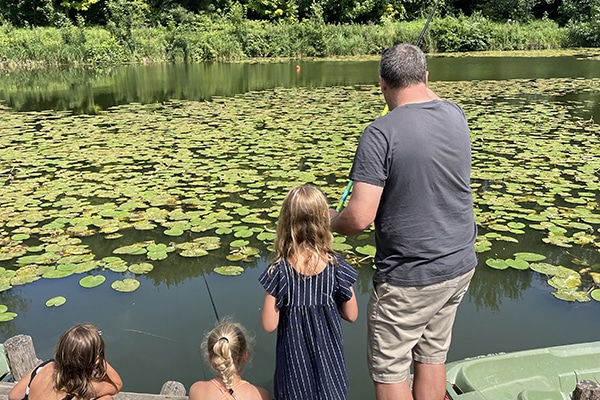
x=310, y=362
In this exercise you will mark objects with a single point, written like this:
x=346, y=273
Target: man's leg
x=393, y=391
x=429, y=382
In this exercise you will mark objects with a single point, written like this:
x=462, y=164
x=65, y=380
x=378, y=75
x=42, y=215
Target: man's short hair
x=403, y=65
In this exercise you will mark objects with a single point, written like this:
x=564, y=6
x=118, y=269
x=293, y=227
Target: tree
x=578, y=11
x=273, y=9
x=503, y=10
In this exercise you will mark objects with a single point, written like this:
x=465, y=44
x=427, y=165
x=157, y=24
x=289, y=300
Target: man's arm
x=360, y=212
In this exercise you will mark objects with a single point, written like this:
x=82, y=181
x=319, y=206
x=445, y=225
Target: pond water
x=153, y=334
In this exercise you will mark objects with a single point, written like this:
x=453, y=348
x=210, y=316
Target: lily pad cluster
x=567, y=282
x=199, y=176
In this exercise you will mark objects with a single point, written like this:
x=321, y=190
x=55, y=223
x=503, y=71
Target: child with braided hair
x=227, y=348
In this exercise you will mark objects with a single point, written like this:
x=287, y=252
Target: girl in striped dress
x=308, y=288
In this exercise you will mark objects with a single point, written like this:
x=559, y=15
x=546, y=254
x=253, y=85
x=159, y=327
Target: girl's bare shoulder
x=200, y=390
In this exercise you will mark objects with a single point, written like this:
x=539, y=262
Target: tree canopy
x=155, y=12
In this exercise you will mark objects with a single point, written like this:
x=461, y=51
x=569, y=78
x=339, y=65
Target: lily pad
x=239, y=243
x=57, y=273
x=20, y=236
x=133, y=249
x=532, y=257
x=56, y=301
x=229, y=270
x=266, y=236
x=496, y=263
x=517, y=263
x=367, y=250
x=91, y=281
x=545, y=268
x=7, y=316
x=141, y=268
x=173, y=232
x=126, y=285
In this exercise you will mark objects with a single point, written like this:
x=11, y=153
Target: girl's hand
x=349, y=309
x=270, y=314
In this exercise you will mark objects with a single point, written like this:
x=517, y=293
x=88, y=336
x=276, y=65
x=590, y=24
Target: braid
x=223, y=362
x=226, y=347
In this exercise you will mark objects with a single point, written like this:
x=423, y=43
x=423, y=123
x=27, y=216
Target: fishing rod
x=211, y=298
x=385, y=110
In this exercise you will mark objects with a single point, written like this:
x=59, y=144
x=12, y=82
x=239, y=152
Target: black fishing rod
x=211, y=298
x=427, y=22
x=421, y=35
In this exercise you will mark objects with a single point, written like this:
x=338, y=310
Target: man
x=411, y=176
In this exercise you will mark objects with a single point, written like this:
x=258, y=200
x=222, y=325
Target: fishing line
x=350, y=182
x=149, y=334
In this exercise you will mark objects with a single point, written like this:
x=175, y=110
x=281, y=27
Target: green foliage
x=584, y=34
x=207, y=37
x=123, y=16
x=576, y=11
x=274, y=9
x=477, y=33
x=503, y=10
x=79, y=5
x=461, y=34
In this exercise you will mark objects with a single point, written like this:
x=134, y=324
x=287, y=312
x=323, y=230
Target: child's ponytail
x=223, y=363
x=227, y=347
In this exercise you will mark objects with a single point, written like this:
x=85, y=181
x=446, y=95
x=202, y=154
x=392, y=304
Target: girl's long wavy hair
x=79, y=361
x=303, y=225
x=225, y=347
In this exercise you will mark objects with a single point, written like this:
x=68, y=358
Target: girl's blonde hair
x=79, y=361
x=226, y=347
x=303, y=225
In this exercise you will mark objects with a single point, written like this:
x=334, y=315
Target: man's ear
x=427, y=78
x=382, y=84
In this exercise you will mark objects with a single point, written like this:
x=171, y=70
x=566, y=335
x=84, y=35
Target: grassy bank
x=206, y=39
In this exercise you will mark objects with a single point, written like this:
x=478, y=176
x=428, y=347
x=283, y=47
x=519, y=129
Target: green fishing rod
x=385, y=110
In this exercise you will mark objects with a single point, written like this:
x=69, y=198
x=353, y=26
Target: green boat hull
x=550, y=373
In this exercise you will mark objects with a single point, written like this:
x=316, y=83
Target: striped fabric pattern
x=310, y=363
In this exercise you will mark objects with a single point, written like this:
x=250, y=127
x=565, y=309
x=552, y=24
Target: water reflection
x=490, y=288
x=90, y=91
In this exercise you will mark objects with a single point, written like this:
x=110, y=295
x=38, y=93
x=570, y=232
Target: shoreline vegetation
x=234, y=38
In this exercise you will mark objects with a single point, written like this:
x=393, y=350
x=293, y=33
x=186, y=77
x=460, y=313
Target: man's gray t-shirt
x=420, y=154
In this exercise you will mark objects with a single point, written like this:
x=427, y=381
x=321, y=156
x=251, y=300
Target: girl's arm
x=270, y=314
x=349, y=309
x=18, y=391
x=106, y=388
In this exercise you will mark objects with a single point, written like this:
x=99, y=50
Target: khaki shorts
x=411, y=323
